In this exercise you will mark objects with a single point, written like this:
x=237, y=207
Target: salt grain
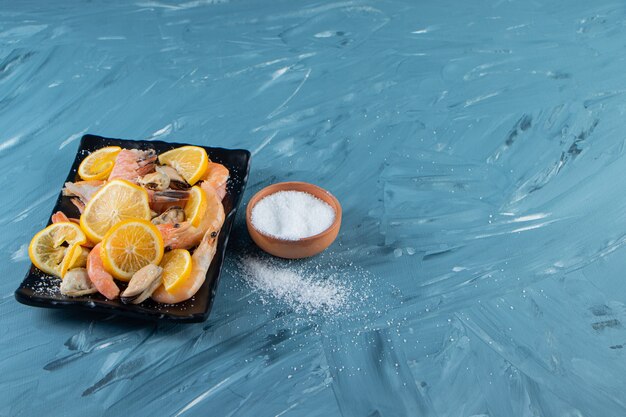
x=302, y=291
x=291, y=215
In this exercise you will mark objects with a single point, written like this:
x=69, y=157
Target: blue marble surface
x=477, y=149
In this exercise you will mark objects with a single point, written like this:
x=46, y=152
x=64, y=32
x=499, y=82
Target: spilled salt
x=291, y=215
x=301, y=290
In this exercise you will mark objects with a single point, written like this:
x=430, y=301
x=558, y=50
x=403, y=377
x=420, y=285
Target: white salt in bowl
x=300, y=248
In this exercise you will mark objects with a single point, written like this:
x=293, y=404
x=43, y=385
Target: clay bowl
x=295, y=249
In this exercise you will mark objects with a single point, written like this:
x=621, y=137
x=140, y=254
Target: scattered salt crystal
x=46, y=286
x=291, y=215
x=302, y=291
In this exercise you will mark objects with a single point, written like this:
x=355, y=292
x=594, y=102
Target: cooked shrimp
x=178, y=235
x=58, y=217
x=131, y=164
x=102, y=280
x=183, y=235
x=200, y=262
x=84, y=190
x=216, y=177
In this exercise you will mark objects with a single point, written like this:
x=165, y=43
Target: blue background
x=477, y=149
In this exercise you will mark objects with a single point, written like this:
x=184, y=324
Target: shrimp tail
x=59, y=217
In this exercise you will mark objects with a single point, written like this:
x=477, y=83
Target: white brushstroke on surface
x=9, y=143
x=72, y=138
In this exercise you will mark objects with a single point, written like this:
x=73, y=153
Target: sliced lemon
x=79, y=257
x=52, y=249
x=129, y=246
x=191, y=162
x=116, y=201
x=99, y=164
x=196, y=205
x=176, y=266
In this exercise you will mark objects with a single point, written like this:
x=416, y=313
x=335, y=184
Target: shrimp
x=216, y=177
x=200, y=262
x=102, y=280
x=82, y=191
x=131, y=164
x=59, y=216
x=183, y=235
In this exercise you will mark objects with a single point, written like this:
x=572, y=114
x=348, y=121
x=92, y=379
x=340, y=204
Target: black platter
x=194, y=310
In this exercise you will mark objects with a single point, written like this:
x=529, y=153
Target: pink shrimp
x=216, y=177
x=102, y=280
x=59, y=216
x=130, y=164
x=200, y=263
x=183, y=235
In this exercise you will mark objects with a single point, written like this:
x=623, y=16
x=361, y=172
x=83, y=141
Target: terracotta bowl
x=294, y=249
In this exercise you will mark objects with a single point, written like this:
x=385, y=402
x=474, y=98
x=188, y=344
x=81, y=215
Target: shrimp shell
x=216, y=177
x=130, y=164
x=185, y=236
x=99, y=276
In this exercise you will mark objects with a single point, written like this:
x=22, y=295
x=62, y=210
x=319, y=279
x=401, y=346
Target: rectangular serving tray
x=41, y=290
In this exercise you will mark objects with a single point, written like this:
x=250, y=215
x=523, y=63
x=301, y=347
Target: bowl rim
x=338, y=210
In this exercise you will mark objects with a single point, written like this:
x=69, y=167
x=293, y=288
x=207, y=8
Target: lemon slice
x=52, y=249
x=129, y=246
x=196, y=205
x=79, y=257
x=191, y=162
x=116, y=201
x=99, y=164
x=176, y=266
